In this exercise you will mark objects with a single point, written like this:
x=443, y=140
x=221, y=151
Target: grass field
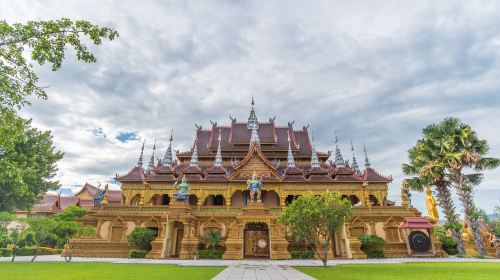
x=407, y=271
x=104, y=271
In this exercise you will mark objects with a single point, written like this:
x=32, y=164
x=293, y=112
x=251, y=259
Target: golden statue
x=431, y=203
x=405, y=195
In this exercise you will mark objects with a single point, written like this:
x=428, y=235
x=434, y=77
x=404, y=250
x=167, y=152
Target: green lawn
x=407, y=271
x=98, y=271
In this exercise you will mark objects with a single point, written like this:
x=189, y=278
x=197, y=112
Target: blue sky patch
x=126, y=136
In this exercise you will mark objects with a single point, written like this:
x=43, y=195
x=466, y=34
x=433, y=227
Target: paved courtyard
x=253, y=269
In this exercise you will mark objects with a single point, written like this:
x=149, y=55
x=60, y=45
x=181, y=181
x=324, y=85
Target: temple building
x=87, y=197
x=221, y=160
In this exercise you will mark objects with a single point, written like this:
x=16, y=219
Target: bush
x=372, y=245
x=209, y=254
x=141, y=238
x=449, y=245
x=5, y=252
x=375, y=254
x=137, y=254
x=302, y=254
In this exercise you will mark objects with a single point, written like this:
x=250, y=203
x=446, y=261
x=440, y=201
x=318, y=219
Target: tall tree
x=28, y=162
x=314, y=220
x=27, y=156
x=46, y=42
x=427, y=171
x=465, y=156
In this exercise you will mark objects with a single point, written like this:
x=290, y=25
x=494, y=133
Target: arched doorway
x=256, y=240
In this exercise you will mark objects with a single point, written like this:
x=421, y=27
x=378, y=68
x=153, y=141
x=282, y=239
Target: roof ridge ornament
x=367, y=161
x=151, y=164
x=339, y=160
x=194, y=156
x=252, y=119
x=290, y=159
x=355, y=165
x=314, y=156
x=218, y=156
x=168, y=158
x=141, y=157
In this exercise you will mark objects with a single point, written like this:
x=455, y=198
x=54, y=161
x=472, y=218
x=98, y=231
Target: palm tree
x=461, y=151
x=426, y=171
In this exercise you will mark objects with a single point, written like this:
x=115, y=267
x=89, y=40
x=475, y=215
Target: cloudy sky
x=376, y=71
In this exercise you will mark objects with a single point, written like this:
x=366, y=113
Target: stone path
x=261, y=272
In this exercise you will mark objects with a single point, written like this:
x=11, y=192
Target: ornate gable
x=255, y=161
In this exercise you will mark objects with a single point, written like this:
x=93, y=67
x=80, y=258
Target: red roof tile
x=136, y=174
x=416, y=222
x=369, y=174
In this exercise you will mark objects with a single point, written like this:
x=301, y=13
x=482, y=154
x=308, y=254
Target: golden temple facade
x=217, y=167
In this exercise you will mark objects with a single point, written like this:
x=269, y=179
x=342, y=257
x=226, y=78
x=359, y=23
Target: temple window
x=354, y=199
x=135, y=199
x=374, y=200
x=193, y=200
x=218, y=200
x=165, y=199
x=290, y=198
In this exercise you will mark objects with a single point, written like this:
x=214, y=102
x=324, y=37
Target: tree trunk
x=444, y=196
x=467, y=200
x=14, y=253
x=325, y=250
x=36, y=253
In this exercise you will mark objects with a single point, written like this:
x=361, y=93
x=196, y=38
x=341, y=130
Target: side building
x=217, y=167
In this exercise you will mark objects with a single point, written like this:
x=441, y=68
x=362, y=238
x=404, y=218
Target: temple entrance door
x=256, y=240
x=178, y=240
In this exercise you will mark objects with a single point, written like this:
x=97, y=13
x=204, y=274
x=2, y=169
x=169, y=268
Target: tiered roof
x=222, y=152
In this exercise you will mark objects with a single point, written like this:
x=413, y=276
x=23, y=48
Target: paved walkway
x=261, y=272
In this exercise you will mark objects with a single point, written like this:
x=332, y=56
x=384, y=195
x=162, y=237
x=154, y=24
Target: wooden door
x=256, y=243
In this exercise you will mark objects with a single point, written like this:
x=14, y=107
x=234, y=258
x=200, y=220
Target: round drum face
x=419, y=242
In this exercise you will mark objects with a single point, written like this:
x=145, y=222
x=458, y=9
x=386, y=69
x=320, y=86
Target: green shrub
x=209, y=254
x=137, y=254
x=372, y=246
x=141, y=238
x=449, y=245
x=302, y=254
x=5, y=252
x=375, y=254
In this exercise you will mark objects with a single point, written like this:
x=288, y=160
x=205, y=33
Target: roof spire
x=194, y=156
x=314, y=156
x=168, y=159
x=151, y=164
x=290, y=159
x=139, y=163
x=218, y=156
x=252, y=119
x=367, y=162
x=355, y=165
x=339, y=160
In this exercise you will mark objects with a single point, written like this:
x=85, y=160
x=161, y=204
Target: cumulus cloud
x=376, y=71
